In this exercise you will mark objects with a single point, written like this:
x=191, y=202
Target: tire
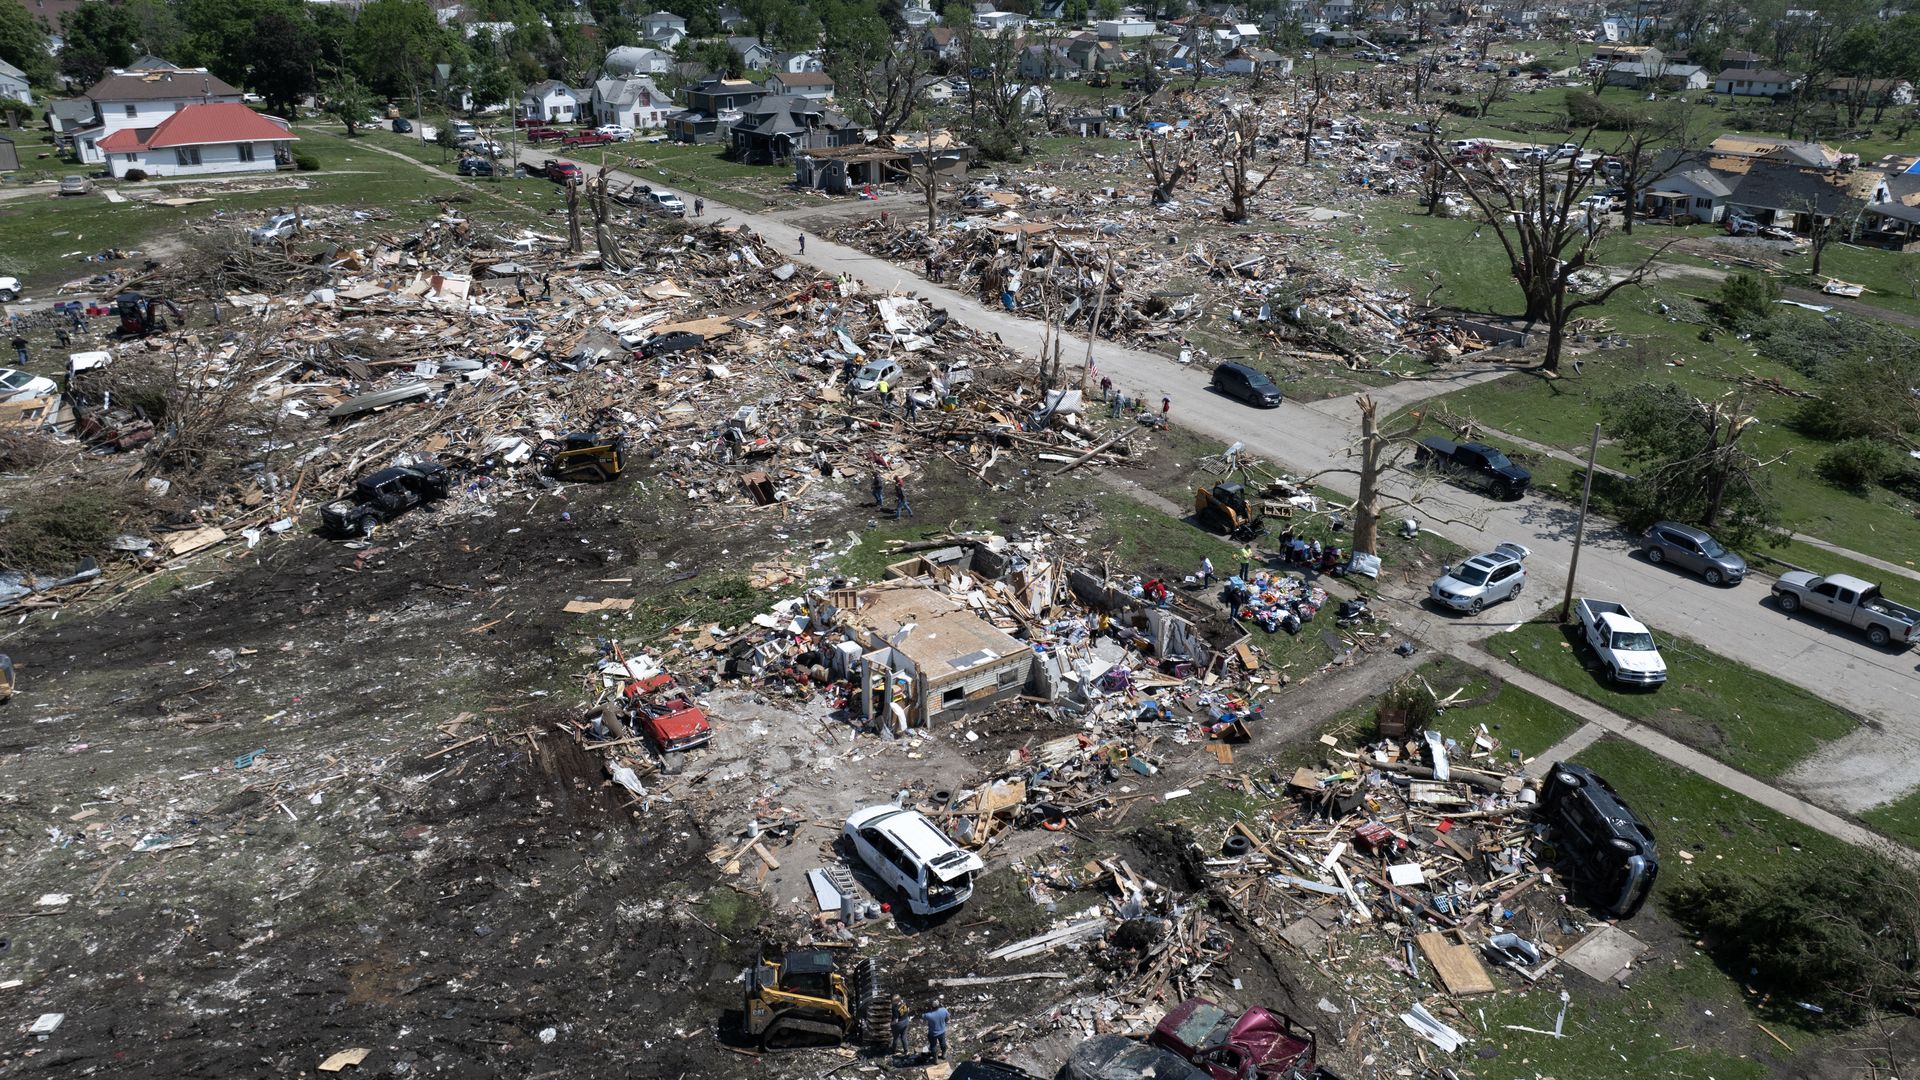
x=1656, y=556
x=1613, y=674
x=1501, y=490
x=1236, y=846
x=1712, y=577
x=1476, y=606
x=1879, y=637
x=1789, y=603
x=1517, y=586
x=364, y=525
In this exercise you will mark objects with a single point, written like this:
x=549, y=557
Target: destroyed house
x=929, y=653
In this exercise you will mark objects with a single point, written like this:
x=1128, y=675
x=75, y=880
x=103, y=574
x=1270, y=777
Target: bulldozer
x=803, y=999
x=587, y=456
x=1226, y=508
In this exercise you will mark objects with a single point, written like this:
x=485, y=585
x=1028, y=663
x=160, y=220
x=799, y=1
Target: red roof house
x=200, y=139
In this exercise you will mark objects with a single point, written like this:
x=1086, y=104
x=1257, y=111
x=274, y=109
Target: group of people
x=1311, y=554
x=901, y=507
x=936, y=1019
x=1118, y=402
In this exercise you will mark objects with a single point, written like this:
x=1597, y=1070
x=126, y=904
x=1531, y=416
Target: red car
x=542, y=134
x=561, y=171
x=1263, y=1044
x=588, y=138
x=664, y=712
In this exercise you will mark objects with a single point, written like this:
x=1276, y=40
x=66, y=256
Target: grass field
x=1753, y=721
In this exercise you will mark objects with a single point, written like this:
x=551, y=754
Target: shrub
x=134, y=174
x=1747, y=295
x=306, y=163
x=1855, y=464
x=52, y=528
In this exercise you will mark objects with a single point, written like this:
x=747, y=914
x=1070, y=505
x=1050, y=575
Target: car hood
x=1515, y=472
x=1641, y=662
x=1799, y=579
x=1451, y=584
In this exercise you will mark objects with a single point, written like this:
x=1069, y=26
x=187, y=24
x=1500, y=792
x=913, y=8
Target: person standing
x=886, y=396
x=803, y=243
x=1246, y=562
x=1106, y=388
x=699, y=207
x=901, y=507
x=902, y=1023
x=913, y=404
x=20, y=349
x=1206, y=570
x=937, y=1019
x=1166, y=413
x=879, y=491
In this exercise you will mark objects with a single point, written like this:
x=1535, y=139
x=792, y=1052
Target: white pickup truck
x=1849, y=600
x=1623, y=644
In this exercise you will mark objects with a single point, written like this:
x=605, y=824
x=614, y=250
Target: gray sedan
x=1694, y=551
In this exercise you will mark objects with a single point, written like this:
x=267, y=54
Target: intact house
x=1093, y=54
x=1755, y=82
x=1245, y=61
x=777, y=126
x=1125, y=29
x=1047, y=62
x=554, y=102
x=663, y=28
x=938, y=89
x=940, y=43
x=1644, y=76
x=796, y=63
x=631, y=102
x=810, y=85
x=1740, y=60
x=711, y=103
x=999, y=21
x=754, y=54
x=199, y=140
x=1689, y=189
x=1868, y=91
x=633, y=60
x=141, y=101
x=13, y=84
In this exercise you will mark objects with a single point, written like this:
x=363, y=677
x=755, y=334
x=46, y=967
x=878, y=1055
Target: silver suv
x=1499, y=574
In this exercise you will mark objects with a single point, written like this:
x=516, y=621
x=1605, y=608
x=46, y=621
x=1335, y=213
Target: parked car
x=475, y=166
x=9, y=289
x=24, y=384
x=478, y=145
x=1497, y=575
x=1692, y=550
x=402, y=125
x=560, y=172
x=873, y=373
x=462, y=129
x=1261, y=1043
x=1566, y=150
x=587, y=138
x=911, y=854
x=75, y=185
x=379, y=497
x=544, y=134
x=1609, y=849
x=1848, y=600
x=1623, y=643
x=278, y=227
x=1248, y=384
x=666, y=202
x=1116, y=1057
x=1475, y=465
x=616, y=132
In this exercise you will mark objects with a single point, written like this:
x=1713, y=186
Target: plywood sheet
x=1459, y=969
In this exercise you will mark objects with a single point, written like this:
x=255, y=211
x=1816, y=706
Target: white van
x=912, y=855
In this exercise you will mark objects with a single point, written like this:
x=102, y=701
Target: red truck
x=666, y=714
x=543, y=134
x=1261, y=1045
x=560, y=171
x=588, y=138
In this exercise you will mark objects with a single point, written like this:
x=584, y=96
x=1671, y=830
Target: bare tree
x=927, y=177
x=885, y=95
x=1498, y=87
x=1165, y=178
x=603, y=238
x=1235, y=149
x=1551, y=239
x=1318, y=90
x=1372, y=456
x=1650, y=140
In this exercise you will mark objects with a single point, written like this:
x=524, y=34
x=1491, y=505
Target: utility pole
x=1580, y=529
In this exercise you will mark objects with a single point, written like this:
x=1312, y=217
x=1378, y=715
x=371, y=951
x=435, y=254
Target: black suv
x=1475, y=465
x=380, y=497
x=475, y=166
x=1609, y=849
x=1247, y=384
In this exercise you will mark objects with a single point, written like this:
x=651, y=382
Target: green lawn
x=1521, y=722
x=1753, y=721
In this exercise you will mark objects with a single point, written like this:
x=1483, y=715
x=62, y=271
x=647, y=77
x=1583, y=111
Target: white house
x=754, y=54
x=998, y=21
x=796, y=63
x=663, y=28
x=631, y=60
x=13, y=83
x=201, y=139
x=552, y=101
x=1124, y=29
x=811, y=85
x=1755, y=82
x=633, y=102
x=143, y=100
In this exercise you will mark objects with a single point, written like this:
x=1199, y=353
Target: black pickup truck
x=1475, y=465
x=380, y=497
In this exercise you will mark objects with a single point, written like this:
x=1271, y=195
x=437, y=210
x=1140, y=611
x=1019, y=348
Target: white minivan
x=912, y=855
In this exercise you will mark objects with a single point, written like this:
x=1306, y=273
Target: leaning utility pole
x=1580, y=529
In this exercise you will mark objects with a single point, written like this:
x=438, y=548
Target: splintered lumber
x=989, y=980
x=1456, y=965
x=1070, y=934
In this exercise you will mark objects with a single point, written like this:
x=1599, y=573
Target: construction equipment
x=1226, y=508
x=803, y=999
x=587, y=456
x=138, y=314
